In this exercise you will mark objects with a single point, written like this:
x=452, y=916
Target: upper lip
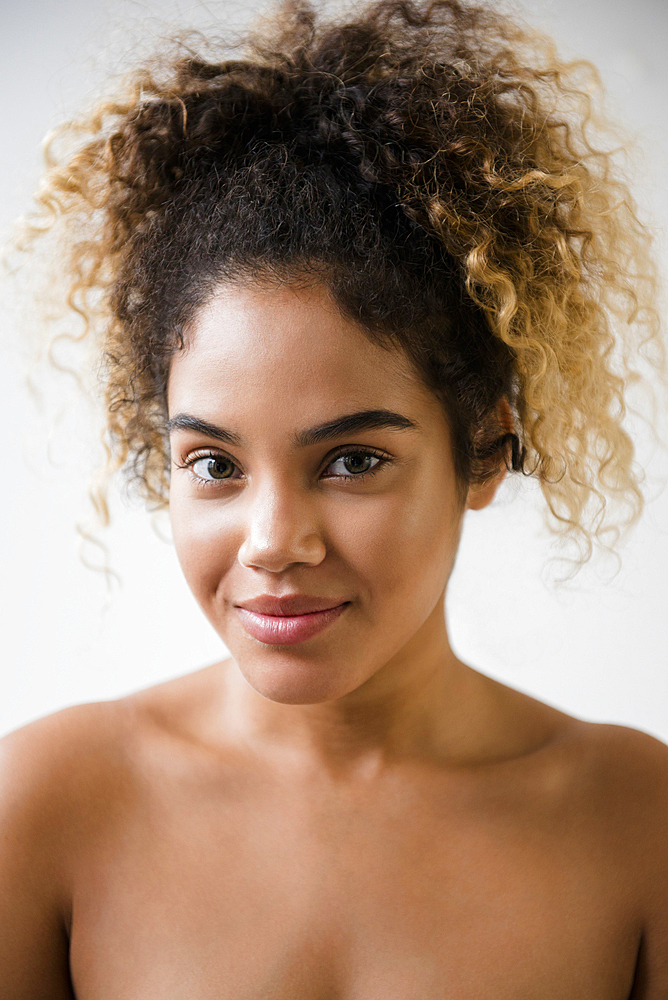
x=291, y=604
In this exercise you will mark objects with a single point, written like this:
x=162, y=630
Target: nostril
x=282, y=528
x=276, y=552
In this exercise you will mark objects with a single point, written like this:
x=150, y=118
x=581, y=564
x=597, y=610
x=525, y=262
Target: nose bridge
x=282, y=524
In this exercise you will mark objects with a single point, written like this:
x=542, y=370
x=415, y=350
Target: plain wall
x=595, y=649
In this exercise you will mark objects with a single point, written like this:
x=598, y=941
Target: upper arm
x=640, y=799
x=33, y=904
x=651, y=982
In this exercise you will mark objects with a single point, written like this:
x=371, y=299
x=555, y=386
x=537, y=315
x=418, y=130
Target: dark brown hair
x=431, y=163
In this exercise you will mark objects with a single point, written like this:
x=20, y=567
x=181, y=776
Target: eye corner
x=204, y=455
x=382, y=460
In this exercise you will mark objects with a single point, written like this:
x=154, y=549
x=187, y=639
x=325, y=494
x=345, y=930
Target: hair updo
x=430, y=162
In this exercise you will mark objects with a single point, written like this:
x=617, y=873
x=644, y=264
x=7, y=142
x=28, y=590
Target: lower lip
x=279, y=630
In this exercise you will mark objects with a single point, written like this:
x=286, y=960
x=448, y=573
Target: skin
x=361, y=816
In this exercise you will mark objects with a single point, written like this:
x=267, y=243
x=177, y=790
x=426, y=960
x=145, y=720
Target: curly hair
x=430, y=161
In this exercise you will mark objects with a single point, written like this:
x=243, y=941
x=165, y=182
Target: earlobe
x=480, y=495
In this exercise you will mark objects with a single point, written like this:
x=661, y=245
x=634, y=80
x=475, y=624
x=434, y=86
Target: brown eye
x=355, y=463
x=213, y=467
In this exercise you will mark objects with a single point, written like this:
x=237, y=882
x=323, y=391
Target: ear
x=480, y=495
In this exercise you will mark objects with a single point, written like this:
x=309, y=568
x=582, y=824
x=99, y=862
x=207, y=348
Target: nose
x=281, y=529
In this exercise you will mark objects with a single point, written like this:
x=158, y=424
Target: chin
x=289, y=681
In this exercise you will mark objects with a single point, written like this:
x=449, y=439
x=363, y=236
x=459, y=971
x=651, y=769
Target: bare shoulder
x=67, y=777
x=619, y=773
x=612, y=756
x=613, y=784
x=628, y=778
x=65, y=780
x=59, y=779
x=627, y=767
x=42, y=758
x=612, y=772
x=625, y=747
x=53, y=777
x=56, y=756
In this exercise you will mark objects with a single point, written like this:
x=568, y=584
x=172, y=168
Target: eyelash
x=344, y=453
x=359, y=476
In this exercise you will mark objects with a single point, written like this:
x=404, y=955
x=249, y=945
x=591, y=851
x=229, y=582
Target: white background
x=598, y=650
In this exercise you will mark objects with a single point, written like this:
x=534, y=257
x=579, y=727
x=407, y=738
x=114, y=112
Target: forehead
x=290, y=351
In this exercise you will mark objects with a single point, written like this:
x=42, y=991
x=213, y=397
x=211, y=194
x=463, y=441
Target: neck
x=419, y=705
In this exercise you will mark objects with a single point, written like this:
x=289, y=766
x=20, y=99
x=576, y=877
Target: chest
x=290, y=900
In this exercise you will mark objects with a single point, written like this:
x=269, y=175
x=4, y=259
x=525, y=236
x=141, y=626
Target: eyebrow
x=185, y=422
x=347, y=424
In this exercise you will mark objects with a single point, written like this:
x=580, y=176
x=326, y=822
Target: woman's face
x=309, y=463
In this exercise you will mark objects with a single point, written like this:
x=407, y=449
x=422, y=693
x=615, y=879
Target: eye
x=355, y=464
x=211, y=468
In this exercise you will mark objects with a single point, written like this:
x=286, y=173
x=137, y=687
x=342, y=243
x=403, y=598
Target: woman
x=343, y=285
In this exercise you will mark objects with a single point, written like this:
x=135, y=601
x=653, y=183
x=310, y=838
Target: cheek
x=206, y=543
x=393, y=550
x=401, y=547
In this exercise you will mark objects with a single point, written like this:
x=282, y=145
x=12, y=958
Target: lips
x=291, y=604
x=288, y=620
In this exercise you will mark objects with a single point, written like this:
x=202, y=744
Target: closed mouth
x=285, y=629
